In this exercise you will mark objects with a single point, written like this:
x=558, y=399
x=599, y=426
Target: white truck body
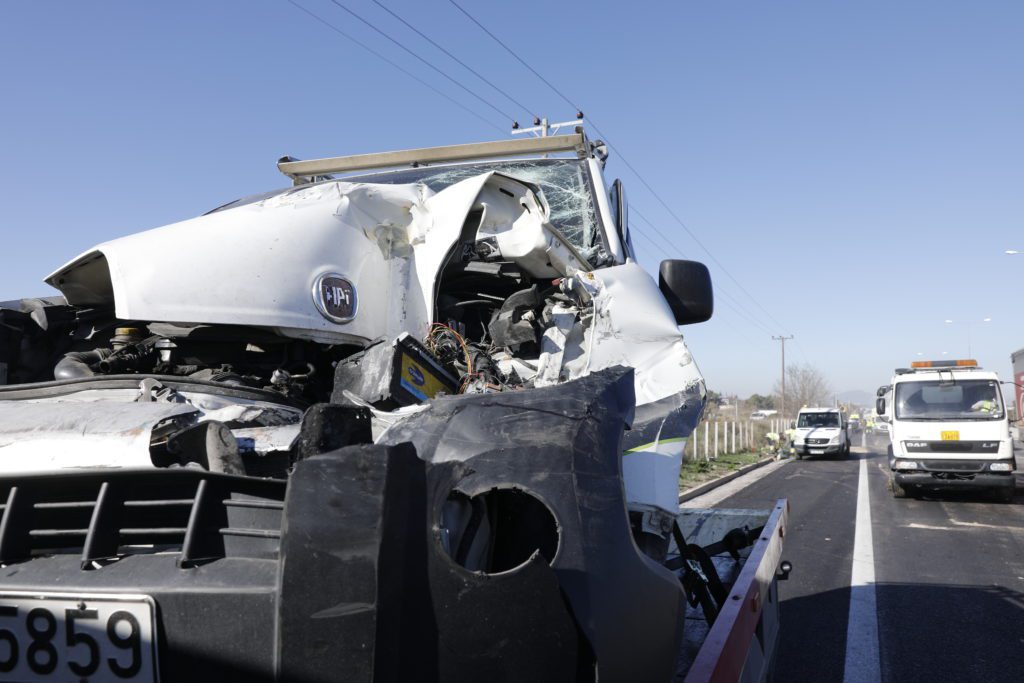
x=948, y=429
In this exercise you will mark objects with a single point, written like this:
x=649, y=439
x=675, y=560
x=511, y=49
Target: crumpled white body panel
x=42, y=436
x=257, y=264
x=634, y=326
x=112, y=428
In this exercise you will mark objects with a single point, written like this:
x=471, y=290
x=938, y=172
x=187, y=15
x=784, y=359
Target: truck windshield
x=974, y=399
x=818, y=420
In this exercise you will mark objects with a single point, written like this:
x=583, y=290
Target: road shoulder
x=711, y=493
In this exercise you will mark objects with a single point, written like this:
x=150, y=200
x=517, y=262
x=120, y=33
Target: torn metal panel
x=652, y=451
x=632, y=325
x=553, y=345
x=114, y=428
x=36, y=437
x=263, y=440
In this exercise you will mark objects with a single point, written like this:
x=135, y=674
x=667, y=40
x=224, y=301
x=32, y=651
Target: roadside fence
x=712, y=438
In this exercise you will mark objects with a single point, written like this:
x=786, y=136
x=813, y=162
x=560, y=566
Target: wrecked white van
x=365, y=409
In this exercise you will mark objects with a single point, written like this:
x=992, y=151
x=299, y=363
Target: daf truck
x=948, y=430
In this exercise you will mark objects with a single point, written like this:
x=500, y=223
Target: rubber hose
x=78, y=363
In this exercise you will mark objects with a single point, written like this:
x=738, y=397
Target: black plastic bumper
x=343, y=574
x=936, y=480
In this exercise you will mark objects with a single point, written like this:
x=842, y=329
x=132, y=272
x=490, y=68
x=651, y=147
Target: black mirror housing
x=686, y=286
x=880, y=406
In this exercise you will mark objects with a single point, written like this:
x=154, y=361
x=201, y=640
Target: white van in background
x=820, y=431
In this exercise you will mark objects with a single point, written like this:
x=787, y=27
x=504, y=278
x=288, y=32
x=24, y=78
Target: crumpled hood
x=261, y=264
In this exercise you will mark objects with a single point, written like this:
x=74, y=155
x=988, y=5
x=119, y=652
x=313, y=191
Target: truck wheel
x=897, y=490
x=1005, y=495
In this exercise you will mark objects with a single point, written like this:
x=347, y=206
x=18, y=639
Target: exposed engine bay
x=376, y=294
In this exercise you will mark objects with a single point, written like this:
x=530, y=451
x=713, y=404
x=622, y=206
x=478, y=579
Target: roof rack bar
x=301, y=170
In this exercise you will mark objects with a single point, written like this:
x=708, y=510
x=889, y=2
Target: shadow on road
x=963, y=497
x=927, y=632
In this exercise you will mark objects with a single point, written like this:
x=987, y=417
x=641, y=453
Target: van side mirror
x=687, y=288
x=880, y=406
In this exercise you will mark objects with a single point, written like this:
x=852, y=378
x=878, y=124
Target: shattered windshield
x=564, y=182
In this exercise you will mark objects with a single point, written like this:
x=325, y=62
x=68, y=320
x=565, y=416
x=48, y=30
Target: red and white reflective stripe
x=724, y=652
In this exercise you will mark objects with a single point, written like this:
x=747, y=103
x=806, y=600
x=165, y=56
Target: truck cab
x=820, y=431
x=948, y=430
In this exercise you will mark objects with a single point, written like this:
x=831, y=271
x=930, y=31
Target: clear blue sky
x=857, y=167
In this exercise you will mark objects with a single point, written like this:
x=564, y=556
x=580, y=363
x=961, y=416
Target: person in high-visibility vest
x=790, y=433
x=984, y=406
x=983, y=402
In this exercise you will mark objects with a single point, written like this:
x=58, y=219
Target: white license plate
x=817, y=451
x=61, y=637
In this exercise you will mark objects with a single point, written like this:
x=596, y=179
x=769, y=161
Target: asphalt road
x=948, y=577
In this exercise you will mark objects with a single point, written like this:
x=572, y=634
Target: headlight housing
x=1000, y=467
x=905, y=465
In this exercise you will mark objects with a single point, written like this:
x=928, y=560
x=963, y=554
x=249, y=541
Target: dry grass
x=696, y=472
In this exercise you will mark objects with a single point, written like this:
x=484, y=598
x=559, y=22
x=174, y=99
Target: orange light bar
x=965, y=363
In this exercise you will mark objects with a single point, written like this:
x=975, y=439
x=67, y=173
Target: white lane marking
x=716, y=496
x=965, y=526
x=862, y=658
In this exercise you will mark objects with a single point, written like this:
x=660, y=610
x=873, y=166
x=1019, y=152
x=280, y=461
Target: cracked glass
x=564, y=183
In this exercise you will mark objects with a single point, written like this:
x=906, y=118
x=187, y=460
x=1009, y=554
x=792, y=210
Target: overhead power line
x=666, y=243
x=621, y=156
x=654, y=244
x=394, y=64
x=459, y=61
x=513, y=53
x=678, y=220
x=424, y=61
x=729, y=301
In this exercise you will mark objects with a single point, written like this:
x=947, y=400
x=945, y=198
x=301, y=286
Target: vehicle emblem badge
x=335, y=297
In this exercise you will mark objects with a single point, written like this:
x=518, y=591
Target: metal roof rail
x=302, y=172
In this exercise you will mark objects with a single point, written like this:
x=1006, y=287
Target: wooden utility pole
x=783, y=339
